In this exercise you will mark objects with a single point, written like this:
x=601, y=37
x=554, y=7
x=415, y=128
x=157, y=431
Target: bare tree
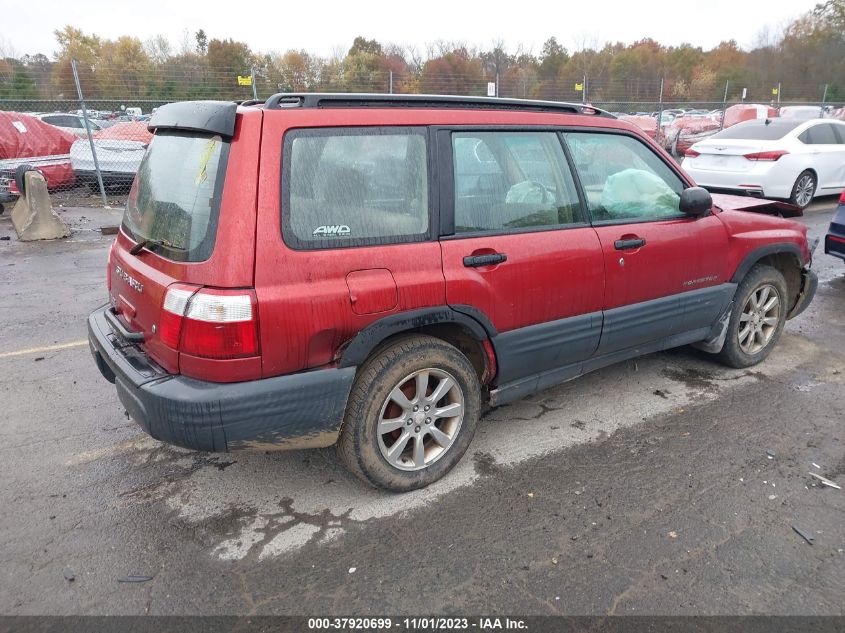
x=159, y=49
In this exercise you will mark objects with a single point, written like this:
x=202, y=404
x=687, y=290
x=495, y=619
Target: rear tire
x=757, y=318
x=411, y=414
x=804, y=189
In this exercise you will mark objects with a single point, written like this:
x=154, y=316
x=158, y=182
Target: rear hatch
x=189, y=225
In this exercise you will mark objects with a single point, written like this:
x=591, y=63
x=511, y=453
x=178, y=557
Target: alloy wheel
x=420, y=419
x=804, y=189
x=759, y=319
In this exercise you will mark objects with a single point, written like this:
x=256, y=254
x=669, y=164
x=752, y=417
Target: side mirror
x=695, y=201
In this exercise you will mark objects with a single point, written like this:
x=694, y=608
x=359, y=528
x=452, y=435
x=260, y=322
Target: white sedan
x=773, y=158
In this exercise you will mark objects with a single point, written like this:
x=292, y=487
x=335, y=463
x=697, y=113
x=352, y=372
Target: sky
x=327, y=26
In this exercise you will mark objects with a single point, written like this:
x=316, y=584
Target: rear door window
x=354, y=187
x=624, y=180
x=506, y=181
x=175, y=199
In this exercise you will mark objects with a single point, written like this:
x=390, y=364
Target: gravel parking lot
x=669, y=484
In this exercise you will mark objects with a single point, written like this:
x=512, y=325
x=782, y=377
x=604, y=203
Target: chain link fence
x=89, y=140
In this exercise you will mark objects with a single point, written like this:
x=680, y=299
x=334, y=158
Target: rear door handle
x=475, y=261
x=622, y=245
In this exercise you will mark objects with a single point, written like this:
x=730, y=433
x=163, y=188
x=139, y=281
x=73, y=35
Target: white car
x=72, y=123
x=790, y=159
x=119, y=148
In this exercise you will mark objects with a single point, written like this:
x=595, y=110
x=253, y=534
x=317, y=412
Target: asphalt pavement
x=667, y=484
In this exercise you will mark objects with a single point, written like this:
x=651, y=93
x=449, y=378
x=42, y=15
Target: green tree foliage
x=202, y=42
x=365, y=68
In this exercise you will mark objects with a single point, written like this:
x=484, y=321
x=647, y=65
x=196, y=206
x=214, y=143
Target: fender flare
x=365, y=341
x=790, y=248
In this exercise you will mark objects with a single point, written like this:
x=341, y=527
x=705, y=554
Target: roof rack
x=358, y=100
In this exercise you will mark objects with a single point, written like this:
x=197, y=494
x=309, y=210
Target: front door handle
x=622, y=245
x=475, y=261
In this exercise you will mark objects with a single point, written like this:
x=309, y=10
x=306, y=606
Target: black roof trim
x=213, y=117
x=353, y=100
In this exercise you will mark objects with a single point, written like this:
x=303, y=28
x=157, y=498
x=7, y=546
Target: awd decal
x=332, y=229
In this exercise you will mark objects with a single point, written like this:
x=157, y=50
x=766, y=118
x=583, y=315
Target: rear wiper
x=149, y=241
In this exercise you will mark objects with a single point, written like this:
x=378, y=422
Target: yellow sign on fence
x=579, y=87
x=245, y=81
x=774, y=91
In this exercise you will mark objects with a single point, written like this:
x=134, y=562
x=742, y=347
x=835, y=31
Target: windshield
x=758, y=130
x=175, y=198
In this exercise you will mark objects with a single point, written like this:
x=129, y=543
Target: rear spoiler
x=757, y=205
x=211, y=117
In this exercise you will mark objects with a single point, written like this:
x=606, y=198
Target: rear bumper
x=809, y=284
x=302, y=410
x=765, y=179
x=109, y=177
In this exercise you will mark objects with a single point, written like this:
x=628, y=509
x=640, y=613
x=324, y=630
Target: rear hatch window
x=175, y=199
x=759, y=130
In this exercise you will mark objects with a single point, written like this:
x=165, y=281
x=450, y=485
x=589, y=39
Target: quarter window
x=623, y=179
x=354, y=187
x=820, y=134
x=511, y=180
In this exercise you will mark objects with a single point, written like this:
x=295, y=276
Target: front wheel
x=757, y=319
x=411, y=414
x=804, y=189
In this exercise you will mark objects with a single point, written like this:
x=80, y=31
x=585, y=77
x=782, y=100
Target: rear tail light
x=691, y=153
x=773, y=155
x=842, y=197
x=210, y=323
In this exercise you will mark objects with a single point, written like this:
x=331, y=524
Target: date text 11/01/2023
x=417, y=623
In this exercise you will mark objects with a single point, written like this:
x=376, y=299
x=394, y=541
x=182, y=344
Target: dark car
x=834, y=241
x=372, y=270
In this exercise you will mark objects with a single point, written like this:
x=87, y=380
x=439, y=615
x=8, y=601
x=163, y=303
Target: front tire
x=411, y=414
x=804, y=189
x=757, y=319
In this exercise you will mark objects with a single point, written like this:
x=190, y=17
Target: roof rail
x=358, y=100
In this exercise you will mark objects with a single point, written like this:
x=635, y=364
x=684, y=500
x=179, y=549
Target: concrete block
x=33, y=216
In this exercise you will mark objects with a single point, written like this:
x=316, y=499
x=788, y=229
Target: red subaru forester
x=372, y=270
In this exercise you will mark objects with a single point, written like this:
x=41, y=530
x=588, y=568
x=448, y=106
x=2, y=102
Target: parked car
x=372, y=270
x=740, y=112
x=29, y=143
x=73, y=123
x=774, y=158
x=665, y=118
x=119, y=148
x=802, y=113
x=834, y=241
x=686, y=130
x=646, y=123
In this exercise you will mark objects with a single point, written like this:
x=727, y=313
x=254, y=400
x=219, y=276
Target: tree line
x=804, y=57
